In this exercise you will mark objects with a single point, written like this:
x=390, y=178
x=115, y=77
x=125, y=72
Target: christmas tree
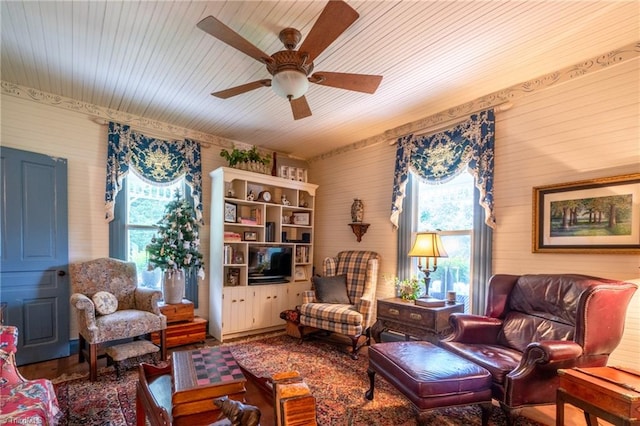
x=176, y=246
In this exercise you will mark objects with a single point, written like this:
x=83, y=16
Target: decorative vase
x=357, y=210
x=173, y=286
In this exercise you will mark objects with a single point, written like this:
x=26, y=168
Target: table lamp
x=427, y=245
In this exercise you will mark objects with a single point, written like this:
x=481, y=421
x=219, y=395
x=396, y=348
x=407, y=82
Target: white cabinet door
x=237, y=309
x=280, y=303
x=269, y=301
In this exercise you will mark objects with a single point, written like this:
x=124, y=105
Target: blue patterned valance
x=157, y=161
x=440, y=157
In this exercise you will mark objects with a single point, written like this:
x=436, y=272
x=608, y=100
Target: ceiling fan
x=292, y=69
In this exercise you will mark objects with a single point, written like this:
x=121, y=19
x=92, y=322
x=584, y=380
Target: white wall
x=583, y=129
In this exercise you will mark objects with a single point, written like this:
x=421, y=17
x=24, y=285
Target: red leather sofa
x=536, y=324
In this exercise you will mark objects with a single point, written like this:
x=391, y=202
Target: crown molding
x=496, y=99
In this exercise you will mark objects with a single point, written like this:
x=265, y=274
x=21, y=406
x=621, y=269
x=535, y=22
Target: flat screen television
x=269, y=264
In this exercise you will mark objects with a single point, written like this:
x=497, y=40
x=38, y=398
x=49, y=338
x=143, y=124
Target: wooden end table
x=609, y=393
x=405, y=317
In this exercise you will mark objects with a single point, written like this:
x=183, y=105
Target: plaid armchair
x=354, y=319
x=137, y=312
x=23, y=401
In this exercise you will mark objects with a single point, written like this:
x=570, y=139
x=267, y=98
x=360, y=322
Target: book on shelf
x=429, y=302
x=232, y=237
x=302, y=254
x=270, y=232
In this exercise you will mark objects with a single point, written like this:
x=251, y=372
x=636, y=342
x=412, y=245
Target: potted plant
x=407, y=289
x=176, y=247
x=246, y=159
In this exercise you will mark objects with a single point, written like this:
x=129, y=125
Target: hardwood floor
x=69, y=365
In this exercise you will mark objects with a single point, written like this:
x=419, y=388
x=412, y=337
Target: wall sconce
x=359, y=229
x=427, y=245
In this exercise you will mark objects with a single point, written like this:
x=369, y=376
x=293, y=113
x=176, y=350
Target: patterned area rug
x=337, y=382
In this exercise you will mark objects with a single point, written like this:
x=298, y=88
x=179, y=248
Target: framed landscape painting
x=590, y=216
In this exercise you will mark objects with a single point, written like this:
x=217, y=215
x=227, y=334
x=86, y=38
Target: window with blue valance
x=159, y=163
x=442, y=156
x=436, y=159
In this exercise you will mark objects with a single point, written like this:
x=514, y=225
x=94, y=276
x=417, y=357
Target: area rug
x=337, y=381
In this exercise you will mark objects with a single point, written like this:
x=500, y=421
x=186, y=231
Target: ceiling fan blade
x=358, y=82
x=238, y=90
x=225, y=34
x=336, y=17
x=300, y=108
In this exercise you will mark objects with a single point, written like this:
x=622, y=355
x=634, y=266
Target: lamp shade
x=290, y=84
x=427, y=244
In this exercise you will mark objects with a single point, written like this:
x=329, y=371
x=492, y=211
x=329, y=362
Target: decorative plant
x=237, y=156
x=177, y=244
x=408, y=289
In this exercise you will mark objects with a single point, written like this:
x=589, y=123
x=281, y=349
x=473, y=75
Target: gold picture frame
x=589, y=216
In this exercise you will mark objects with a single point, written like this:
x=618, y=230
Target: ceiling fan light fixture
x=290, y=84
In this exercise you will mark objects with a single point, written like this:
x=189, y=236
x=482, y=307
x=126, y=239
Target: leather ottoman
x=430, y=377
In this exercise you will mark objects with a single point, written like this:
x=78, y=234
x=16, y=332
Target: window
x=139, y=207
x=145, y=204
x=448, y=208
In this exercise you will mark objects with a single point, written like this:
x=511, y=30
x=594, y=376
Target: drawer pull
x=394, y=311
x=415, y=316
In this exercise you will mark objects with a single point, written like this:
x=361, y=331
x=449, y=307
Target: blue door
x=34, y=280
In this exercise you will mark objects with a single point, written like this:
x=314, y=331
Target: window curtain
x=159, y=162
x=438, y=158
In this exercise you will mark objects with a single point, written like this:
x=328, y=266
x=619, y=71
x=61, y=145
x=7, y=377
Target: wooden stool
x=130, y=354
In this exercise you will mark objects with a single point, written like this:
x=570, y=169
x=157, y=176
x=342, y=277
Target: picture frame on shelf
x=301, y=218
x=230, y=212
x=300, y=273
x=233, y=277
x=250, y=236
x=590, y=216
x=293, y=173
x=284, y=172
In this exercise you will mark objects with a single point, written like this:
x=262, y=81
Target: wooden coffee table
x=200, y=376
x=608, y=393
x=182, y=393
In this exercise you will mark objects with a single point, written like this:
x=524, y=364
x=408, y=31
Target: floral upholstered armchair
x=343, y=299
x=23, y=401
x=109, y=306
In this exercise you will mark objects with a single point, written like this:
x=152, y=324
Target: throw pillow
x=106, y=303
x=332, y=289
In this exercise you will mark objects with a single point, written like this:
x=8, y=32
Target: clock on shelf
x=264, y=196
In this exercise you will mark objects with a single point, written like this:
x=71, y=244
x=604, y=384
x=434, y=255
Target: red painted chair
x=23, y=401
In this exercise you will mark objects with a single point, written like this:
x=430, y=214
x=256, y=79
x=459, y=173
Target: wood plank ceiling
x=148, y=58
